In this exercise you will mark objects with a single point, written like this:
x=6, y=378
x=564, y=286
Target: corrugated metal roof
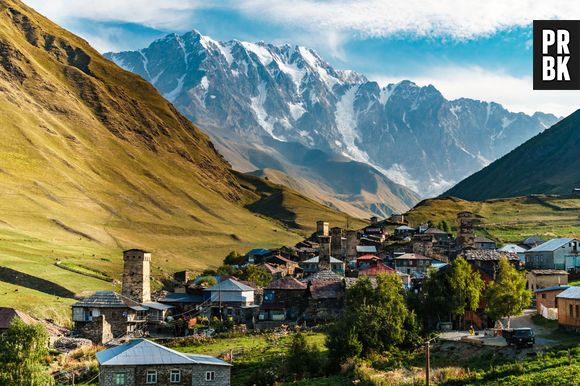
x=146, y=352
x=366, y=248
x=551, y=245
x=106, y=299
x=157, y=306
x=571, y=293
x=552, y=288
x=412, y=256
x=230, y=285
x=174, y=297
x=316, y=259
x=512, y=248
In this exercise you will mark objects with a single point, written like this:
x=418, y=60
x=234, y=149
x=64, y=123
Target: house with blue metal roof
x=559, y=253
x=143, y=362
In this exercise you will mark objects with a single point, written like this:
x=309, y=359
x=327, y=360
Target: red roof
x=272, y=269
x=368, y=257
x=281, y=258
x=376, y=270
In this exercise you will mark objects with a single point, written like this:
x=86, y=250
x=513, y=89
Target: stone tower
x=465, y=234
x=321, y=228
x=136, y=275
x=324, y=255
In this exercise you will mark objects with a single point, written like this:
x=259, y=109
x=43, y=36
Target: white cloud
x=380, y=18
x=166, y=14
x=458, y=19
x=514, y=93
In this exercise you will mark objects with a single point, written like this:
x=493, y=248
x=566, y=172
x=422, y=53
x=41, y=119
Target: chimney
x=324, y=254
x=321, y=228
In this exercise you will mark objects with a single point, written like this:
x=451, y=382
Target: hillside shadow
x=11, y=276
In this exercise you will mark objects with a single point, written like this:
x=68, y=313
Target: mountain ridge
x=411, y=134
x=545, y=164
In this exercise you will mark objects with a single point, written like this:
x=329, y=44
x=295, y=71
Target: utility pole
x=428, y=361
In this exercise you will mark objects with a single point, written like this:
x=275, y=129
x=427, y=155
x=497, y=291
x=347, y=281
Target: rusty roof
x=326, y=289
x=287, y=283
x=7, y=315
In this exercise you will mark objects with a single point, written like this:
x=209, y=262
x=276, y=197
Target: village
x=304, y=286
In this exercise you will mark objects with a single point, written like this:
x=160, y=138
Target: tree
x=256, y=274
x=23, y=352
x=303, y=359
x=466, y=286
x=207, y=281
x=375, y=320
x=227, y=270
x=233, y=258
x=444, y=226
x=507, y=295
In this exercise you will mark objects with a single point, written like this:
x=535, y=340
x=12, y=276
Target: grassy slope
x=93, y=160
x=507, y=220
x=546, y=164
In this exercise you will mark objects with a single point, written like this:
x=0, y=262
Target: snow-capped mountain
x=241, y=92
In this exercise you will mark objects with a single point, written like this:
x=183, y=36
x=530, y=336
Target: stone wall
x=98, y=330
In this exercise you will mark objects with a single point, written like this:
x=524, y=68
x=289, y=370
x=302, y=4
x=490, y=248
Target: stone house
x=284, y=300
x=325, y=295
x=367, y=261
x=257, y=255
x=288, y=266
x=546, y=302
x=412, y=263
x=514, y=248
x=362, y=250
x=560, y=253
x=143, y=362
x=542, y=278
x=484, y=243
x=229, y=297
x=487, y=260
x=404, y=231
x=107, y=315
x=568, y=302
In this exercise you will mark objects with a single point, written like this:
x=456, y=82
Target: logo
x=556, y=54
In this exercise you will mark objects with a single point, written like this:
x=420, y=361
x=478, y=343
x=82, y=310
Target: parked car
x=519, y=337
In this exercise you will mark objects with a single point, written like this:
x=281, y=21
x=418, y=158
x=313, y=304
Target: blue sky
x=464, y=48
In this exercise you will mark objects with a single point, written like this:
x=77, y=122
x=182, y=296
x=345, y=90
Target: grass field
x=253, y=352
x=506, y=220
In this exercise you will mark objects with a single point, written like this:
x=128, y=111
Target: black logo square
x=556, y=54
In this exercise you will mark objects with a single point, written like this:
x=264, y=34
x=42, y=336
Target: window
x=210, y=375
x=151, y=377
x=570, y=310
x=543, y=296
x=119, y=379
x=577, y=311
x=175, y=376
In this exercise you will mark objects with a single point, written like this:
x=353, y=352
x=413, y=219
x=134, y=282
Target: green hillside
x=549, y=163
x=507, y=220
x=93, y=161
